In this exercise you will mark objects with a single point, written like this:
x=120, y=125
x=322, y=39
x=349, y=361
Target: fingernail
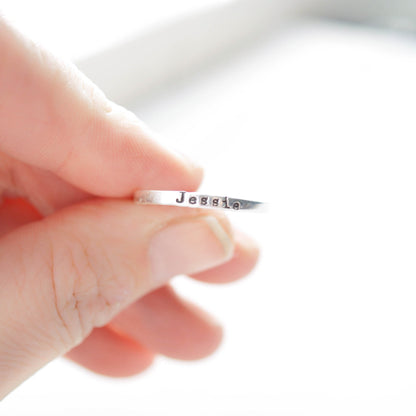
x=189, y=246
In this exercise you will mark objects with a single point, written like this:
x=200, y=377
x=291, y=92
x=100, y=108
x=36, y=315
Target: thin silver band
x=194, y=200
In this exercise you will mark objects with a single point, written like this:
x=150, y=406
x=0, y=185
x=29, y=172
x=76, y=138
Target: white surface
x=320, y=122
x=155, y=58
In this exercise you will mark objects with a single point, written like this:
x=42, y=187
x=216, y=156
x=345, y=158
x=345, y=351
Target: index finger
x=53, y=117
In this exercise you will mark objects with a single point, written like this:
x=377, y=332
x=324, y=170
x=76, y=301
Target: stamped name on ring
x=209, y=201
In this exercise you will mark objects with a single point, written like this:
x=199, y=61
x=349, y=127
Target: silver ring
x=194, y=200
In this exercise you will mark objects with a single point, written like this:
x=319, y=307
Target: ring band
x=194, y=200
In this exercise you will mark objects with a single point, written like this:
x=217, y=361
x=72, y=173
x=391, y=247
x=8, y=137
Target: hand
x=83, y=270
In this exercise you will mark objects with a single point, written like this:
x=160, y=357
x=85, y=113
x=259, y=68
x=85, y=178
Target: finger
x=244, y=259
x=15, y=212
x=108, y=353
x=76, y=269
x=169, y=325
x=45, y=191
x=57, y=119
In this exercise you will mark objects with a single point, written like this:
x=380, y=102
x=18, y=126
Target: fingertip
x=111, y=354
x=249, y=249
x=147, y=161
x=129, y=156
x=194, y=169
x=195, y=173
x=170, y=325
x=214, y=335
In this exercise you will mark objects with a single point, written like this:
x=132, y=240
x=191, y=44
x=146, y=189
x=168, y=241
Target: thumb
x=76, y=269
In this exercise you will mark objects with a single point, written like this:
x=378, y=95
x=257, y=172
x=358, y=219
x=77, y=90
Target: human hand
x=84, y=271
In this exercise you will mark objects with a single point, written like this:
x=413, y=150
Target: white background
x=318, y=119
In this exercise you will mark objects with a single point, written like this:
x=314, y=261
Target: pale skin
x=84, y=272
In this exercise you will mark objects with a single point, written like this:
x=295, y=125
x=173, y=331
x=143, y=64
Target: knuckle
x=87, y=292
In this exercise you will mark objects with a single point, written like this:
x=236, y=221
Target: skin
x=77, y=257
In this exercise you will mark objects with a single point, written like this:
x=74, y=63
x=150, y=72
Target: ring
x=194, y=200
